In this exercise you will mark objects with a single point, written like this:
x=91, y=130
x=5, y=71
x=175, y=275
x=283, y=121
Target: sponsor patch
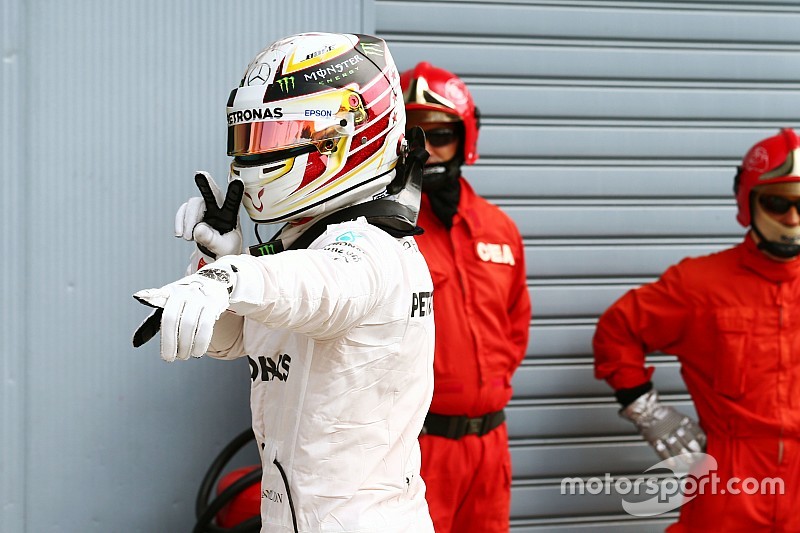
x=345, y=250
x=318, y=113
x=421, y=304
x=495, y=253
x=254, y=115
x=348, y=237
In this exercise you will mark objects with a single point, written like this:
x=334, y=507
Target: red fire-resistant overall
x=482, y=314
x=733, y=320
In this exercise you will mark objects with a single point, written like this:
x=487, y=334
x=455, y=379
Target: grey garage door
x=611, y=132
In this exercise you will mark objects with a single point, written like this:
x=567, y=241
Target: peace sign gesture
x=212, y=221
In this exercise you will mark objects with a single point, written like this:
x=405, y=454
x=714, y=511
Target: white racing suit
x=340, y=346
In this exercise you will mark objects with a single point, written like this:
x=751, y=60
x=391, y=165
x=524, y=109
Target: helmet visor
x=258, y=137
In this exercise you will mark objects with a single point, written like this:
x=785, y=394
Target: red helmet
x=434, y=89
x=772, y=160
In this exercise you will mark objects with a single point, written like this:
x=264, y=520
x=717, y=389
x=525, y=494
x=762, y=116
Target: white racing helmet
x=316, y=124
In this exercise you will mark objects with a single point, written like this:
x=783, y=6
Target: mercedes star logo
x=258, y=75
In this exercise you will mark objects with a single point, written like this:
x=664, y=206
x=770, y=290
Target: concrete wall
x=108, y=109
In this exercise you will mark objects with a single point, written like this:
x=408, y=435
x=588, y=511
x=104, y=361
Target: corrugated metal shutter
x=611, y=132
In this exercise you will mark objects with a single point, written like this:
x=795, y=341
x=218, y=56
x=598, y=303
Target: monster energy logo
x=267, y=248
x=286, y=83
x=372, y=49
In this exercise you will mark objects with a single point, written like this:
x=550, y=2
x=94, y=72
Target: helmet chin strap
x=781, y=250
x=777, y=249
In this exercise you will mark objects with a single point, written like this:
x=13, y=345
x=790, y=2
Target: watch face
x=217, y=274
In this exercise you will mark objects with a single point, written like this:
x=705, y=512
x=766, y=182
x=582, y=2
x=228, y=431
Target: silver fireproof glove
x=668, y=431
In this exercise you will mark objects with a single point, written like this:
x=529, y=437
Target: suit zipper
x=462, y=280
x=288, y=492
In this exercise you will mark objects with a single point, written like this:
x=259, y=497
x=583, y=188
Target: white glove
x=212, y=221
x=191, y=307
x=670, y=432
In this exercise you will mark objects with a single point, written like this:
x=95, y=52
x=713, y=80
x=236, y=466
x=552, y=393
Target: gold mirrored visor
x=259, y=137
